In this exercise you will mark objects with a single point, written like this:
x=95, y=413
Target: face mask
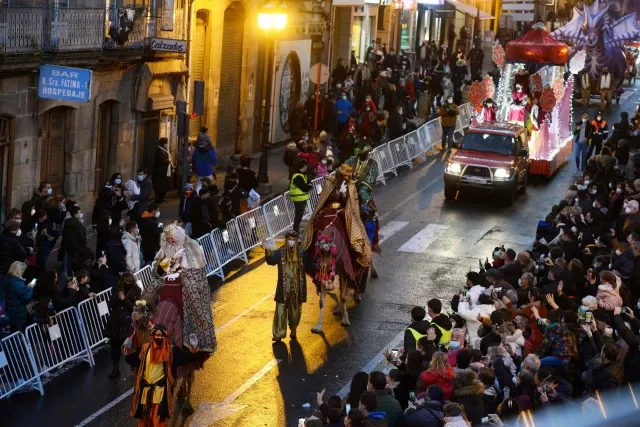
x=187, y=193
x=33, y=212
x=367, y=109
x=595, y=205
x=454, y=345
x=610, y=185
x=158, y=341
x=520, y=282
x=618, y=252
x=324, y=162
x=489, y=105
x=584, y=120
x=291, y=243
x=140, y=177
x=118, y=181
x=627, y=211
x=599, y=118
x=306, y=137
x=519, y=89
x=157, y=214
x=344, y=96
x=608, y=331
x=49, y=191
x=450, y=101
x=19, y=233
x=81, y=215
x=577, y=200
x=618, y=190
x=400, y=112
x=587, y=182
x=110, y=221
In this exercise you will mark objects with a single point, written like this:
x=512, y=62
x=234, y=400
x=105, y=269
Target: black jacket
x=468, y=391
x=150, y=233
x=186, y=205
x=421, y=326
x=431, y=414
x=394, y=124
x=10, y=251
x=146, y=187
x=608, y=376
x=200, y=221
x=632, y=359
x=119, y=321
x=329, y=117
x=74, y=237
x=443, y=321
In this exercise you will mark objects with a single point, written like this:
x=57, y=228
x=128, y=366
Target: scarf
x=170, y=165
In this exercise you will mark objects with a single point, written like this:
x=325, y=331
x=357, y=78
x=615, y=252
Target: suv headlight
x=502, y=173
x=454, y=168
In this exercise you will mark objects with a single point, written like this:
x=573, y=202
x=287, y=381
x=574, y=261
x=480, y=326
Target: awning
x=469, y=10
x=167, y=66
x=146, y=72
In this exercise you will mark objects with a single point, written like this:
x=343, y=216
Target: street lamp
x=272, y=19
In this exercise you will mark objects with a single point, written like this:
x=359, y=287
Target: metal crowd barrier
x=213, y=266
x=94, y=313
x=17, y=366
x=385, y=162
x=61, y=342
x=228, y=243
x=143, y=277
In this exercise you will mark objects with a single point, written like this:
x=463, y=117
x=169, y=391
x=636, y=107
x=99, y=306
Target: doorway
x=107, y=149
x=6, y=164
x=149, y=135
x=57, y=123
x=197, y=65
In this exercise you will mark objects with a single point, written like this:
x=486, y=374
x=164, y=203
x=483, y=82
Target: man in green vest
x=299, y=188
x=440, y=322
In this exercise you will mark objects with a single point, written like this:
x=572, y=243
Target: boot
x=115, y=371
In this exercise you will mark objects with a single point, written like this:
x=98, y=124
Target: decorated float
x=535, y=92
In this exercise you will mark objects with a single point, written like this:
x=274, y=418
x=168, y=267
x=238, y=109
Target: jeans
x=299, y=213
x=581, y=155
x=447, y=135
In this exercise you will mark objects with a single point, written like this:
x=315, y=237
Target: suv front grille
x=478, y=171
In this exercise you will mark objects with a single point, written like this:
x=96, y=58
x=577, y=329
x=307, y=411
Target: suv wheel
x=449, y=193
x=525, y=183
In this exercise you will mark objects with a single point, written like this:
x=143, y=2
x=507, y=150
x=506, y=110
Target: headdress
x=345, y=170
x=366, y=149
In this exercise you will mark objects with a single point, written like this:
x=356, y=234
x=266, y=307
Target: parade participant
x=606, y=84
x=599, y=133
x=585, y=87
x=534, y=119
x=489, y=110
x=518, y=106
x=448, y=116
x=157, y=362
x=291, y=292
x=299, y=189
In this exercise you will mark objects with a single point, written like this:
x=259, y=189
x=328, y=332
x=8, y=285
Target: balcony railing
x=25, y=30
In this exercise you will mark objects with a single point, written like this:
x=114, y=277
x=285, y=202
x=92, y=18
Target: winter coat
x=186, y=204
x=204, y=160
x=200, y=220
x=150, y=233
x=145, y=186
x=344, y=109
x=161, y=164
x=390, y=406
x=448, y=115
x=631, y=338
x=608, y=298
x=10, y=251
x=443, y=379
x=623, y=264
x=471, y=316
x=132, y=248
x=247, y=179
x=455, y=422
x=17, y=296
x=119, y=322
x=431, y=414
x=376, y=419
x=608, y=376
x=556, y=342
x=74, y=237
x=468, y=391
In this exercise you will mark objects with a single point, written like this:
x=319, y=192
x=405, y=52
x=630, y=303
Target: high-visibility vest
x=444, y=338
x=296, y=194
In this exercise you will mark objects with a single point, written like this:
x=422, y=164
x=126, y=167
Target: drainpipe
x=185, y=139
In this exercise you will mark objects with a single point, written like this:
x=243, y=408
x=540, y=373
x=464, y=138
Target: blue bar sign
x=65, y=83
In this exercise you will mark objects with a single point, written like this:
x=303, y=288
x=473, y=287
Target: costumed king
x=291, y=292
x=365, y=175
x=517, y=109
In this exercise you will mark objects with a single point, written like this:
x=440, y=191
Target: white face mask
x=618, y=252
x=33, y=212
x=599, y=118
x=323, y=161
x=110, y=221
x=81, y=215
x=489, y=105
x=450, y=101
x=19, y=233
x=520, y=282
x=627, y=211
x=587, y=182
x=595, y=205
x=140, y=177
x=584, y=120
x=594, y=191
x=577, y=200
x=618, y=190
x=49, y=191
x=291, y=243
x=157, y=214
x=344, y=96
x=118, y=181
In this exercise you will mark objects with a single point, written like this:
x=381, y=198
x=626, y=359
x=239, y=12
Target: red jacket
x=444, y=379
x=313, y=158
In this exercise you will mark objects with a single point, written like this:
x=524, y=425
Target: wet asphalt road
x=250, y=382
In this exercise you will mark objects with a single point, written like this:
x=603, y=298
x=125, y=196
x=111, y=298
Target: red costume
x=518, y=106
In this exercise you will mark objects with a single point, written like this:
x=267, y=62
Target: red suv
x=492, y=157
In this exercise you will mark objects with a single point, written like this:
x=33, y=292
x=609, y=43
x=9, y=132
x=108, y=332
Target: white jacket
x=132, y=247
x=470, y=314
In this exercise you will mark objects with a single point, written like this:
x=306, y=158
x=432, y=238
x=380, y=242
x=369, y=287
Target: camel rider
x=291, y=292
x=365, y=173
x=299, y=188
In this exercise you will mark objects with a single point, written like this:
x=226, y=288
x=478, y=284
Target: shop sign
x=64, y=83
x=169, y=45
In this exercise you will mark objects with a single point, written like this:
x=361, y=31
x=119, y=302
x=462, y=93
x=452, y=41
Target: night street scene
x=308, y=213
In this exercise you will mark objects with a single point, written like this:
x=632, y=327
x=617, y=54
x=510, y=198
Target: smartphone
x=348, y=408
x=494, y=329
x=394, y=354
x=498, y=291
x=301, y=422
x=485, y=420
x=412, y=396
x=580, y=318
x=588, y=316
x=32, y=283
x=623, y=310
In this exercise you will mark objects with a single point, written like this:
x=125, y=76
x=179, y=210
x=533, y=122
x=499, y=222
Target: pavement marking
x=391, y=228
x=425, y=237
x=210, y=412
x=104, y=409
x=377, y=359
x=244, y=313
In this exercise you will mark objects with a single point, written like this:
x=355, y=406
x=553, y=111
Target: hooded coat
x=468, y=391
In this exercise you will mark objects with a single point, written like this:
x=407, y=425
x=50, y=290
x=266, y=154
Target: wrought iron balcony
x=28, y=30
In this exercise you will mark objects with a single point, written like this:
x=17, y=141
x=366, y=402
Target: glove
x=343, y=188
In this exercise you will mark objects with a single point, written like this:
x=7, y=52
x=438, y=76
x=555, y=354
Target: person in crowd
x=359, y=384
x=428, y=414
x=201, y=223
x=162, y=170
x=74, y=236
x=41, y=194
x=10, y=248
x=448, y=116
x=186, y=207
x=416, y=330
x=118, y=325
x=373, y=416
x=17, y=294
x=440, y=374
x=440, y=322
x=131, y=243
x=145, y=187
x=384, y=402
x=103, y=230
x=150, y=231
x=233, y=162
x=599, y=133
x=204, y=158
x=455, y=416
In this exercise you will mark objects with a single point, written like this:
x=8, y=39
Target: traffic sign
x=319, y=74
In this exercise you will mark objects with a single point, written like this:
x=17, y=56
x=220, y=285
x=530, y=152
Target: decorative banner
x=577, y=62
x=558, y=90
x=476, y=94
x=537, y=46
x=498, y=55
x=536, y=83
x=547, y=99
x=489, y=87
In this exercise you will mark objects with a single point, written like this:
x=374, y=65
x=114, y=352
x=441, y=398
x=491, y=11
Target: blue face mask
x=118, y=181
x=49, y=191
x=140, y=177
x=454, y=345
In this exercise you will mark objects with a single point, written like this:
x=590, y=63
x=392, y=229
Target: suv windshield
x=489, y=143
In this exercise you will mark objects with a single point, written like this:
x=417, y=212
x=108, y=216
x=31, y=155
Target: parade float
x=535, y=92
